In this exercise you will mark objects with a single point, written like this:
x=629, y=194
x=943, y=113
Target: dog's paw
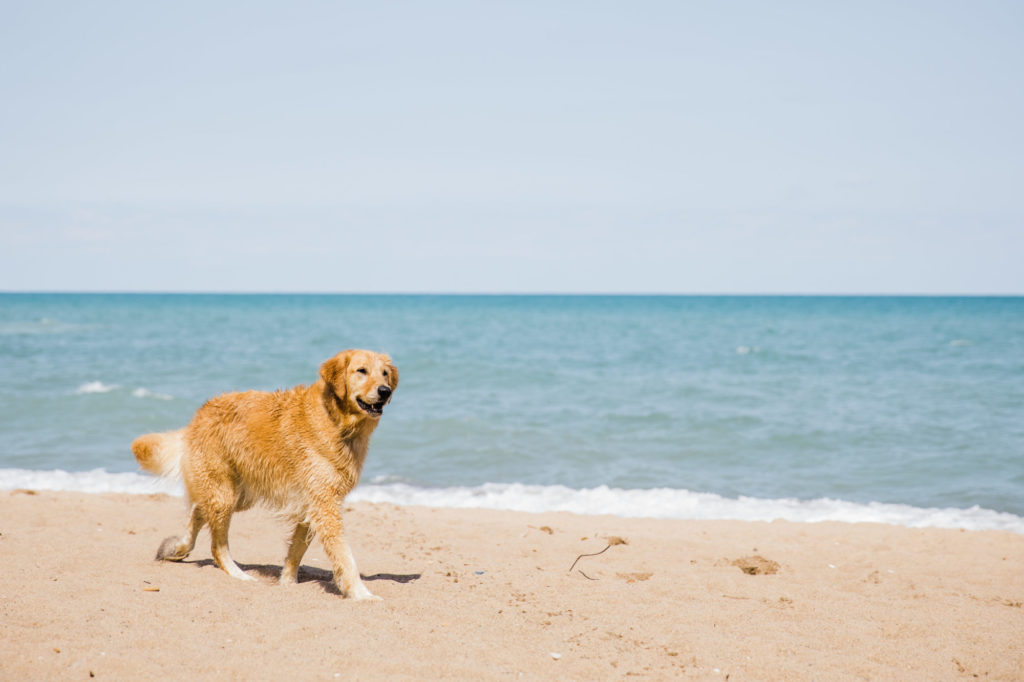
x=367, y=597
x=360, y=593
x=172, y=549
x=237, y=573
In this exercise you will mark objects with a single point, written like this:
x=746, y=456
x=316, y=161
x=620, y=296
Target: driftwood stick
x=583, y=555
x=612, y=541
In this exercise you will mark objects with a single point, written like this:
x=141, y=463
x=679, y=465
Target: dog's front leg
x=326, y=521
x=296, y=550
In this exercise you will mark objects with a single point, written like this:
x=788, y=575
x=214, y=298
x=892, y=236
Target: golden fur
x=300, y=451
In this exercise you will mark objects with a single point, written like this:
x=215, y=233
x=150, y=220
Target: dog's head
x=362, y=380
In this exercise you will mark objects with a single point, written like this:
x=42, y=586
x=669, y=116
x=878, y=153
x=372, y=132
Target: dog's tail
x=161, y=453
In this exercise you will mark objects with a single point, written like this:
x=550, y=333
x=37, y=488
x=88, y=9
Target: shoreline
x=471, y=594
x=649, y=503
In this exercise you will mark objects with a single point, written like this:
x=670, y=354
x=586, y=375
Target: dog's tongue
x=375, y=408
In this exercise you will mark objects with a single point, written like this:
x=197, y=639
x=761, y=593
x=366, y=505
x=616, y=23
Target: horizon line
x=737, y=294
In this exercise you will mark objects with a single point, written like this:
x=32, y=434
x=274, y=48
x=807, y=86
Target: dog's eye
x=361, y=370
x=385, y=372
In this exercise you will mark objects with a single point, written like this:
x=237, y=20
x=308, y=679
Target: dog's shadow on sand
x=309, y=574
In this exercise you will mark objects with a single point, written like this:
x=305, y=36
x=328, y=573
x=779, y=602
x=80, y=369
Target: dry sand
x=471, y=594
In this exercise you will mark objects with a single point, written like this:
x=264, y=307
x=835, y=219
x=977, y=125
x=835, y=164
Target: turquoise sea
x=900, y=409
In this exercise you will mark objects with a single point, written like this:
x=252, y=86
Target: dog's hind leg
x=219, y=519
x=296, y=549
x=177, y=548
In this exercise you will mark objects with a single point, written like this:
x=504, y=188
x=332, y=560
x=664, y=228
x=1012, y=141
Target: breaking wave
x=661, y=503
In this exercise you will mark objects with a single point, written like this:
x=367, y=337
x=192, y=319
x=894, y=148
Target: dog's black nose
x=383, y=392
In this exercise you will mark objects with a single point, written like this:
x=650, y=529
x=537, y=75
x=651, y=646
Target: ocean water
x=903, y=410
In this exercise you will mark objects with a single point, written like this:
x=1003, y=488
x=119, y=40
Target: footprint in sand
x=634, y=577
x=757, y=565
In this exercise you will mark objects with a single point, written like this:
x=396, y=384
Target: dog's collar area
x=375, y=409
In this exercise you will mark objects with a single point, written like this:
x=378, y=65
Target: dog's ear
x=392, y=373
x=333, y=372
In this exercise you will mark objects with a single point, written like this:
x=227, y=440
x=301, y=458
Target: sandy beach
x=472, y=594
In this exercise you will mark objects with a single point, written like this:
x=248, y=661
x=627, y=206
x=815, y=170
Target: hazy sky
x=712, y=147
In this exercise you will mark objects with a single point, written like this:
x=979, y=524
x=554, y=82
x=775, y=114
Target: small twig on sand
x=612, y=541
x=583, y=555
x=587, y=576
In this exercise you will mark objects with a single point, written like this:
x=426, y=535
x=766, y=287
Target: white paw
x=360, y=593
x=368, y=597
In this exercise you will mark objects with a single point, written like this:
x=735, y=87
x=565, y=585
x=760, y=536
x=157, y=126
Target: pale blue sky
x=723, y=147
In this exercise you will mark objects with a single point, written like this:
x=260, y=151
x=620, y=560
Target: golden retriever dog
x=299, y=451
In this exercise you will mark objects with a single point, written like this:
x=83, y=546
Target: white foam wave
x=95, y=387
x=671, y=503
x=95, y=481
x=146, y=393
x=662, y=503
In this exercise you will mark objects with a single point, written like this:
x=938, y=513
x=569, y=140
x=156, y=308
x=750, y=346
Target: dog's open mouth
x=376, y=409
